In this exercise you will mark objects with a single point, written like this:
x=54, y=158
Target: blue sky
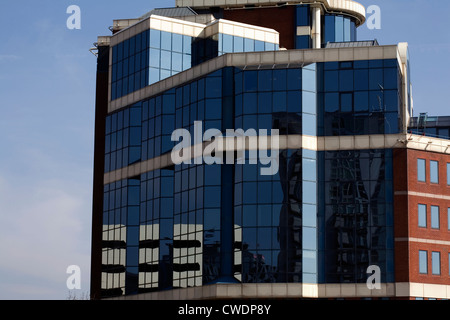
x=47, y=100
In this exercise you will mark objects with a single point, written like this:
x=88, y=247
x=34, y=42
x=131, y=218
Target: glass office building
x=323, y=217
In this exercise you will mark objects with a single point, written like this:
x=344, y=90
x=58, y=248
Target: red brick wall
x=281, y=19
x=414, y=231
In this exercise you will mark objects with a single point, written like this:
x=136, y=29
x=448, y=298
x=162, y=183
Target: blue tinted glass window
x=153, y=75
x=376, y=79
x=187, y=45
x=309, y=102
x=166, y=40
x=330, y=28
x=213, y=109
x=436, y=263
x=391, y=102
x=250, y=122
x=294, y=79
x=126, y=48
x=265, y=80
x=250, y=103
x=309, y=238
x=347, y=31
x=213, y=87
x=346, y=80
x=249, y=216
x=309, y=266
x=434, y=172
x=346, y=102
x=155, y=58
x=309, y=123
x=279, y=102
x=177, y=62
x=434, y=217
x=422, y=212
x=177, y=43
x=309, y=215
x=259, y=46
x=107, y=163
x=331, y=102
x=238, y=43
x=187, y=63
x=309, y=170
x=362, y=79
x=133, y=215
x=309, y=78
x=353, y=31
x=145, y=39
x=139, y=41
x=279, y=80
x=165, y=74
x=133, y=195
x=390, y=78
x=303, y=42
x=331, y=80
x=265, y=102
x=302, y=15
x=212, y=219
x=421, y=171
x=166, y=59
x=212, y=197
x=227, y=43
x=294, y=101
x=250, y=81
x=249, y=192
x=134, y=155
x=448, y=218
x=309, y=192
x=269, y=46
x=249, y=45
x=132, y=45
x=135, y=117
x=339, y=32
x=423, y=262
x=361, y=101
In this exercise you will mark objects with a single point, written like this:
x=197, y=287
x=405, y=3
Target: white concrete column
x=316, y=28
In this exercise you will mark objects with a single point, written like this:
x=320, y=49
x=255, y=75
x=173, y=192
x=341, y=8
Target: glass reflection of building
x=323, y=218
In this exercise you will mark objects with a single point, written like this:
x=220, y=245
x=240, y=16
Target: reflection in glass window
x=448, y=218
x=434, y=172
x=422, y=215
x=434, y=217
x=448, y=174
x=436, y=263
x=423, y=262
x=421, y=171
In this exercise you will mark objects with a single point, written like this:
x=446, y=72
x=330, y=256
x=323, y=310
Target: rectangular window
x=423, y=263
x=421, y=170
x=436, y=263
x=434, y=172
x=448, y=174
x=434, y=217
x=448, y=218
x=422, y=215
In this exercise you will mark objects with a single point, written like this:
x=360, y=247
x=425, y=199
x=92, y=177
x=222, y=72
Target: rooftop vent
x=352, y=44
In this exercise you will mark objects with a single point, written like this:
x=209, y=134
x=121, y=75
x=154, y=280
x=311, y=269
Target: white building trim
x=297, y=291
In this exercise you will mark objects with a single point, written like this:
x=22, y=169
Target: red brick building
x=422, y=226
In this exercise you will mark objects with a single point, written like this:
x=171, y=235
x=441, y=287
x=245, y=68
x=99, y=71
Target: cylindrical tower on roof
x=302, y=24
